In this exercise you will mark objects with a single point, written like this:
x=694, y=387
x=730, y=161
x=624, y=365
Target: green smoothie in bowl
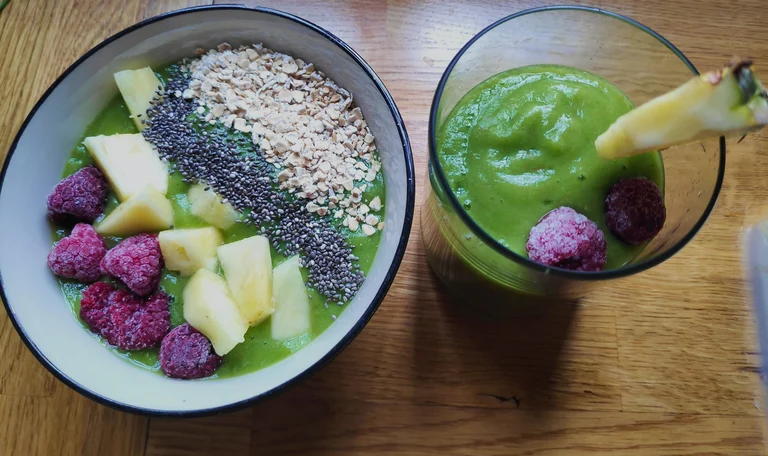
x=219, y=214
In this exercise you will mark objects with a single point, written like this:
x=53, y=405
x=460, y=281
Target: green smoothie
x=521, y=143
x=259, y=349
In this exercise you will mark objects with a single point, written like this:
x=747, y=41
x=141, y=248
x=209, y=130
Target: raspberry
x=78, y=255
x=566, y=239
x=135, y=323
x=93, y=306
x=186, y=353
x=634, y=210
x=137, y=261
x=79, y=197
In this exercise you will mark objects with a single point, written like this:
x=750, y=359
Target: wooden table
x=662, y=363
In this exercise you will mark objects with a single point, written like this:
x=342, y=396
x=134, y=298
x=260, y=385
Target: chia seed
x=249, y=184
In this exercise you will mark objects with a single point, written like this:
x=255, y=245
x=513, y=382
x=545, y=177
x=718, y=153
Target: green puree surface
x=258, y=350
x=521, y=143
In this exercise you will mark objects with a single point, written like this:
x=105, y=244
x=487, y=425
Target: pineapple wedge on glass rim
x=728, y=102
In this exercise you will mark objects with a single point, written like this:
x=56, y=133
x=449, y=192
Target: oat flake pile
x=305, y=125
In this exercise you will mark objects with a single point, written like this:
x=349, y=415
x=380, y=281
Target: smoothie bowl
x=522, y=209
x=229, y=195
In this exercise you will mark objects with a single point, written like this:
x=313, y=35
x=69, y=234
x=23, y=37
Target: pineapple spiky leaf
x=729, y=102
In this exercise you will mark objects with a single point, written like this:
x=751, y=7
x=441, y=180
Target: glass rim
x=623, y=271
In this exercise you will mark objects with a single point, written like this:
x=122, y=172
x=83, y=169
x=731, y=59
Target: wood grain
x=38, y=414
x=228, y=434
x=350, y=427
x=66, y=423
x=660, y=363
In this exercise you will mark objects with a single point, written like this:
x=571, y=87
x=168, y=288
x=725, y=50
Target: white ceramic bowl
x=35, y=161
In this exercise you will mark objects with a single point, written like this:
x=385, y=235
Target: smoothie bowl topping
x=304, y=123
x=215, y=209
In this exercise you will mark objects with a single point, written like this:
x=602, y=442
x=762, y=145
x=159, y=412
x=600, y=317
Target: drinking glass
x=633, y=57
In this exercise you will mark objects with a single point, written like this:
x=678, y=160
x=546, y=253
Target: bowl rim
x=367, y=314
x=442, y=180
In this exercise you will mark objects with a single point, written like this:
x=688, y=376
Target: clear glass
x=635, y=59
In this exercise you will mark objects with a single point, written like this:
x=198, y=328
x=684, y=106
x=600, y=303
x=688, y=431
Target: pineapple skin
x=708, y=105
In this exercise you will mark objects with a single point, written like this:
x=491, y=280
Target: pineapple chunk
x=209, y=308
x=146, y=211
x=189, y=250
x=207, y=205
x=292, y=313
x=129, y=162
x=138, y=87
x=247, y=266
x=729, y=102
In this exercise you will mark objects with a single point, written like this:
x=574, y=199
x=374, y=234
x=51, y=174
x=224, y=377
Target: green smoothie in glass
x=521, y=144
x=515, y=147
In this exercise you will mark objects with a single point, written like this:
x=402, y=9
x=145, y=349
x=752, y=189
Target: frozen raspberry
x=78, y=255
x=634, y=210
x=79, y=197
x=135, y=323
x=566, y=239
x=93, y=306
x=137, y=261
x=186, y=353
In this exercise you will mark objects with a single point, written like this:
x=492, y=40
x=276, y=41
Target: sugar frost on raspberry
x=78, y=255
x=137, y=262
x=93, y=306
x=79, y=197
x=135, y=323
x=186, y=353
x=565, y=239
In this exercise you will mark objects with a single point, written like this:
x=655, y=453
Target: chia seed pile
x=213, y=156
